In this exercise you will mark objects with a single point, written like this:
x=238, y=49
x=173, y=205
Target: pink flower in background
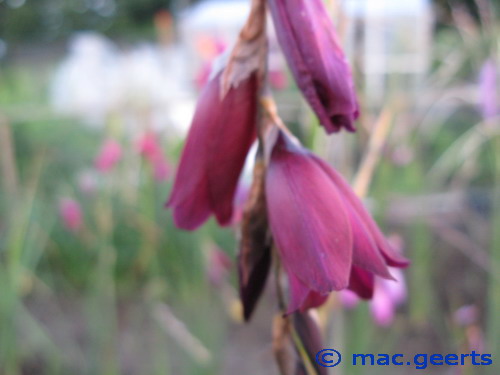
x=326, y=238
x=310, y=44
x=222, y=131
x=203, y=75
x=488, y=95
x=389, y=294
x=208, y=48
x=109, y=154
x=70, y=214
x=148, y=145
x=161, y=169
x=278, y=79
x=150, y=148
x=348, y=298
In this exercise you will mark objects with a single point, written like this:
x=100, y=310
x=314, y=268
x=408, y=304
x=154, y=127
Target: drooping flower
x=309, y=41
x=389, y=294
x=325, y=237
x=109, y=154
x=70, y=214
x=222, y=132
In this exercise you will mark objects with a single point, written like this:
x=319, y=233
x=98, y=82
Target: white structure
x=141, y=86
x=393, y=39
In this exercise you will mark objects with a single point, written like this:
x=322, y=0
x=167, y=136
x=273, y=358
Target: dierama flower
x=109, y=154
x=309, y=41
x=325, y=237
x=222, y=131
x=70, y=214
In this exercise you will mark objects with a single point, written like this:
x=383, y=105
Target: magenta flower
x=222, y=131
x=389, y=294
x=309, y=41
x=70, y=214
x=109, y=154
x=150, y=148
x=325, y=237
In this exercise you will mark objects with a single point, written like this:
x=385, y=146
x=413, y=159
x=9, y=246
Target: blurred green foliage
x=46, y=20
x=25, y=20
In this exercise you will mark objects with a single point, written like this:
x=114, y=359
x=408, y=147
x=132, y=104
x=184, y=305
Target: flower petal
x=219, y=139
x=308, y=219
x=362, y=282
x=301, y=297
x=382, y=308
x=365, y=252
x=391, y=256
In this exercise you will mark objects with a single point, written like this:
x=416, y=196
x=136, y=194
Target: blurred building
x=390, y=40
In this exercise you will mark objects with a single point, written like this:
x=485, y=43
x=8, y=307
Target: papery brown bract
x=284, y=349
x=254, y=259
x=309, y=41
x=310, y=337
x=222, y=131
